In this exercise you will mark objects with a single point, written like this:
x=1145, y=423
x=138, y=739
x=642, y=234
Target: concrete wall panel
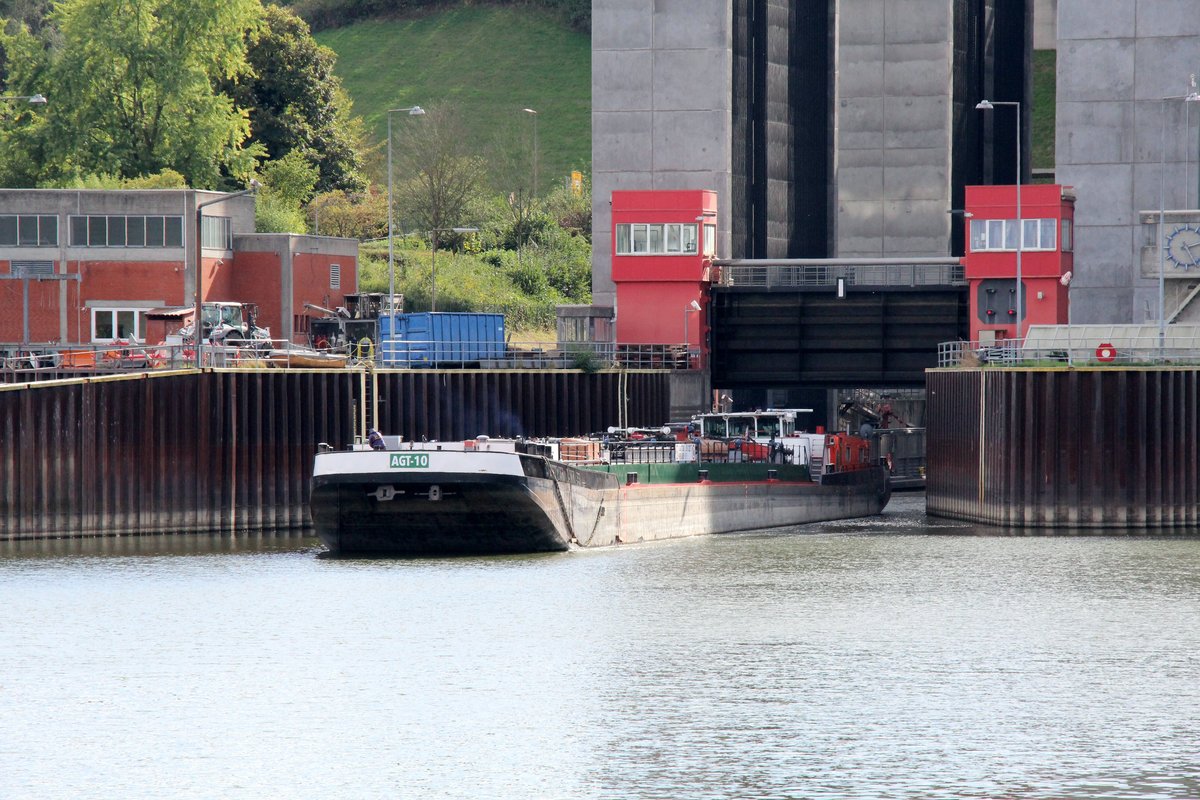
x=1099, y=70
x=623, y=141
x=1095, y=131
x=687, y=24
x=627, y=74
x=1172, y=18
x=622, y=25
x=1088, y=19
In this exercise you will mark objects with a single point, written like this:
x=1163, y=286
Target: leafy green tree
x=134, y=89
x=296, y=103
x=286, y=185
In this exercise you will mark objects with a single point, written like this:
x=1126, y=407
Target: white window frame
x=139, y=323
x=984, y=231
x=656, y=239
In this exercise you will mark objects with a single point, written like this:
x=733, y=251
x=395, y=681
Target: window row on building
x=41, y=230
x=663, y=239
x=1001, y=234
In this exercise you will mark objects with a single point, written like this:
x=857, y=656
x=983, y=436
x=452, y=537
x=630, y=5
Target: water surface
x=893, y=657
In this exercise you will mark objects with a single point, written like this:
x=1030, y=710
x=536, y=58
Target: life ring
x=365, y=349
x=321, y=343
x=1106, y=353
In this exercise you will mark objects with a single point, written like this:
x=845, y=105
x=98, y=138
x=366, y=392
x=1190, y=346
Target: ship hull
x=496, y=503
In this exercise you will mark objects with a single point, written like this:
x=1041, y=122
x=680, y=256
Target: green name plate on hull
x=409, y=461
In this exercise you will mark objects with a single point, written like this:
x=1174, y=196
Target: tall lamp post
x=433, y=260
x=691, y=308
x=533, y=190
x=21, y=274
x=412, y=111
x=1192, y=97
x=988, y=105
x=197, y=328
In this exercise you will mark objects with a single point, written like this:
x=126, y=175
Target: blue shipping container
x=431, y=339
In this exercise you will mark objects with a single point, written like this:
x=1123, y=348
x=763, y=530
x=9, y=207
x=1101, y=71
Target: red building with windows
x=86, y=266
x=663, y=246
x=1046, y=233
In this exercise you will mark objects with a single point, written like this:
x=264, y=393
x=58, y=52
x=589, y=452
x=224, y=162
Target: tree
x=296, y=103
x=286, y=185
x=355, y=216
x=443, y=176
x=134, y=88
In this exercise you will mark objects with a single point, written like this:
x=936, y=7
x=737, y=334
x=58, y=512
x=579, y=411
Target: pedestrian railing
x=1009, y=353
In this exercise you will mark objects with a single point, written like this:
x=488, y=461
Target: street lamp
x=33, y=99
x=534, y=188
x=692, y=307
x=197, y=328
x=1191, y=97
x=988, y=105
x=412, y=111
x=433, y=260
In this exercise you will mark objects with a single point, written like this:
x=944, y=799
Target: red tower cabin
x=1046, y=228
x=663, y=246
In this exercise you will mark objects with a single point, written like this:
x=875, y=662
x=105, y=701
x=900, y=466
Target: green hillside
x=491, y=62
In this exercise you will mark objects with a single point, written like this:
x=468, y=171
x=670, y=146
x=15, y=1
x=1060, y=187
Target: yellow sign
x=577, y=183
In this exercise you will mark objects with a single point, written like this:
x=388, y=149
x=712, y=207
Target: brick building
x=84, y=266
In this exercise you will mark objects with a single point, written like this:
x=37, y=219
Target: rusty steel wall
x=232, y=450
x=1065, y=448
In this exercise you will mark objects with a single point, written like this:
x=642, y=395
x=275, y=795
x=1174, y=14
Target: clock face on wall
x=1183, y=246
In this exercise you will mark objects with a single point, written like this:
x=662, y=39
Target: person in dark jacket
x=375, y=439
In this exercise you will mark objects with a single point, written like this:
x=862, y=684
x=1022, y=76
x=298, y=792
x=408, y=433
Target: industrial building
x=85, y=266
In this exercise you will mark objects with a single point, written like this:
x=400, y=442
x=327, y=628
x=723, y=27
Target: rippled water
x=894, y=657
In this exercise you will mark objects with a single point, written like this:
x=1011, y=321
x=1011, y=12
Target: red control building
x=1047, y=221
x=663, y=246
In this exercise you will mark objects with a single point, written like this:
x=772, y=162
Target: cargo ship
x=495, y=496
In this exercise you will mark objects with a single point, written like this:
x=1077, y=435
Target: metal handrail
x=1009, y=353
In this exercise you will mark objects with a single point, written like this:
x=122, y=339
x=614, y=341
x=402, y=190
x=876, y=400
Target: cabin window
x=654, y=239
x=1001, y=234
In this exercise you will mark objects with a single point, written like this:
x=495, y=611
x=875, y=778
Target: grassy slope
x=1044, y=82
x=491, y=62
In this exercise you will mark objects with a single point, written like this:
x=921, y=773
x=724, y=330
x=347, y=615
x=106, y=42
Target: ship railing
x=1012, y=353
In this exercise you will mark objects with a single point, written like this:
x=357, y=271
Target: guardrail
x=20, y=363
x=787, y=276
x=1012, y=353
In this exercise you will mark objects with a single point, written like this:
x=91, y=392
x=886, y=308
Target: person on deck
x=375, y=439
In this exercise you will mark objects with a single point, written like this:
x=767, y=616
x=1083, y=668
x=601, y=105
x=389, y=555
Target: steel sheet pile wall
x=231, y=450
x=1059, y=448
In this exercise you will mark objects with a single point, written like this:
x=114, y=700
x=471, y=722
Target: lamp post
x=433, y=260
x=412, y=111
x=692, y=307
x=20, y=274
x=988, y=105
x=197, y=328
x=1192, y=97
x=33, y=99
x=534, y=188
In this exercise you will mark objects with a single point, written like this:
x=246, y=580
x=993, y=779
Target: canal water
x=892, y=657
